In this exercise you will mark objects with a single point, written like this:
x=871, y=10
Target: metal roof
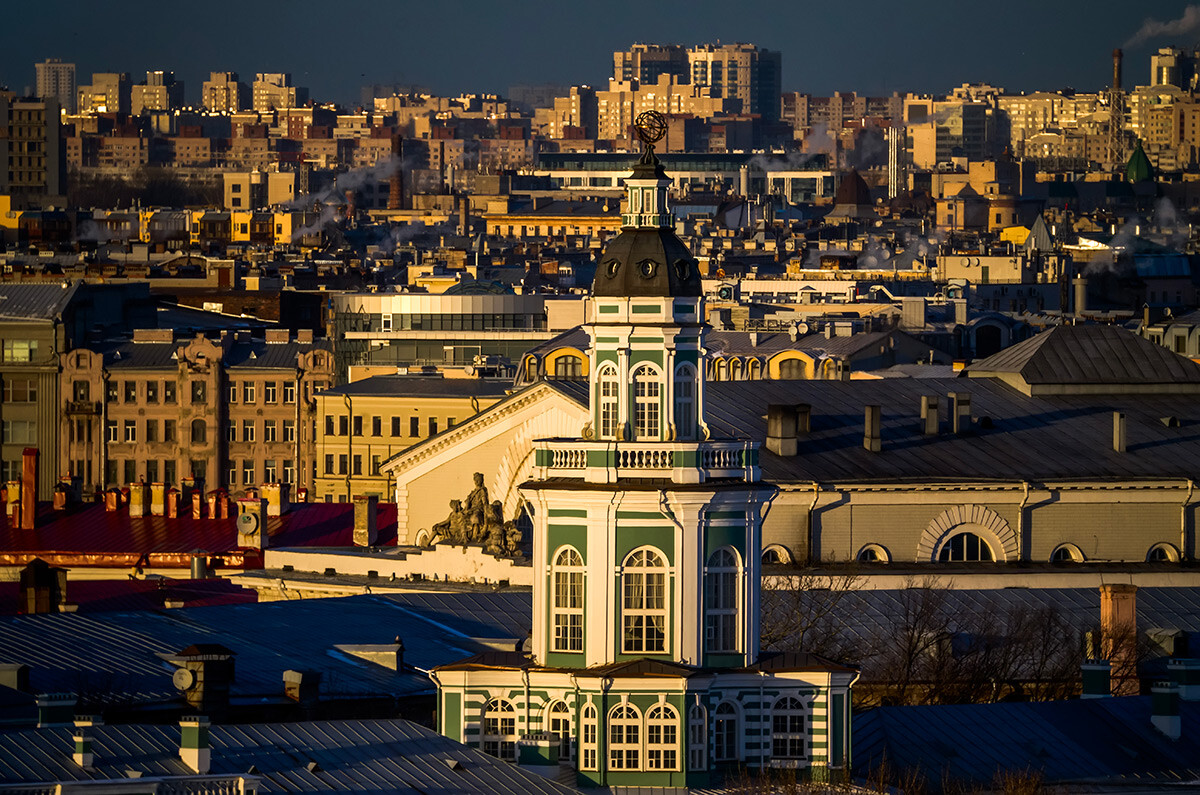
x=35, y=301
x=1104, y=739
x=1090, y=354
x=115, y=656
x=1024, y=438
x=375, y=756
x=254, y=353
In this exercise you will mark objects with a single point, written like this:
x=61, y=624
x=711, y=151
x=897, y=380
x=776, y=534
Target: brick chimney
x=55, y=709
x=137, y=499
x=1118, y=628
x=1164, y=709
x=872, y=428
x=28, y=487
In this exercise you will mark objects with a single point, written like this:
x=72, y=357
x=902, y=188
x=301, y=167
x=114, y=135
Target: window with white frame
x=646, y=390
x=787, y=729
x=725, y=733
x=662, y=738
x=568, y=601
x=624, y=738
x=248, y=391
x=609, y=390
x=269, y=392
x=558, y=721
x=499, y=736
x=268, y=430
x=685, y=405
x=721, y=602
x=289, y=391
x=289, y=430
x=588, y=737
x=247, y=430
x=697, y=738
x=644, y=602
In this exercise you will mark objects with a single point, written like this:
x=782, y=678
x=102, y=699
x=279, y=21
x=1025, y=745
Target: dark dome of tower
x=647, y=262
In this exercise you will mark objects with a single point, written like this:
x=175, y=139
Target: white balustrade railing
x=704, y=460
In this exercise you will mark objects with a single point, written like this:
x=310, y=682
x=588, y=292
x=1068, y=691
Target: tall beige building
x=223, y=92
x=273, y=90
x=160, y=92
x=109, y=92
x=617, y=107
x=56, y=80
x=31, y=151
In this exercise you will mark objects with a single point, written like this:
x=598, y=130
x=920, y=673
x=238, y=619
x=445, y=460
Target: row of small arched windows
x=649, y=741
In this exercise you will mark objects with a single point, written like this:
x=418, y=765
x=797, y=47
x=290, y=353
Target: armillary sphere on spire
x=650, y=126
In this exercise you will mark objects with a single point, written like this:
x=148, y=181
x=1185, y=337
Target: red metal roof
x=91, y=536
x=96, y=596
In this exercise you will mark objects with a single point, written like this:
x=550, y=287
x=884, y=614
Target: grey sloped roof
x=119, y=651
x=34, y=301
x=367, y=756
x=1106, y=739
x=255, y=353
x=1030, y=438
x=1090, y=354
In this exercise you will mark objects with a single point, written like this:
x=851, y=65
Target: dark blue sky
x=335, y=46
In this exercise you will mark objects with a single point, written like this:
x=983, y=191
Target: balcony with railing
x=676, y=462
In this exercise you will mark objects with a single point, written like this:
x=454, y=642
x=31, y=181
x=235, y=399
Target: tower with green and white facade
x=644, y=667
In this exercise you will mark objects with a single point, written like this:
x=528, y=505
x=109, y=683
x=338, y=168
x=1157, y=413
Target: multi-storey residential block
x=273, y=90
x=161, y=91
x=56, y=80
x=109, y=92
x=222, y=92
x=739, y=72
x=233, y=411
x=1171, y=66
x=31, y=151
x=645, y=63
x=617, y=107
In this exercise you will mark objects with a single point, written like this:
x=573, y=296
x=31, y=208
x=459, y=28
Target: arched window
x=791, y=370
x=587, y=737
x=499, y=736
x=725, y=733
x=199, y=432
x=1067, y=553
x=754, y=370
x=966, y=548
x=624, y=743
x=568, y=601
x=873, y=553
x=721, y=602
x=697, y=738
x=558, y=720
x=568, y=368
x=721, y=371
x=685, y=401
x=735, y=370
x=1162, y=553
x=646, y=411
x=609, y=391
x=662, y=738
x=775, y=555
x=787, y=729
x=644, y=603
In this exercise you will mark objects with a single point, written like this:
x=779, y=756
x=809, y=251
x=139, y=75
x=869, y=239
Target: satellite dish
x=247, y=524
x=183, y=679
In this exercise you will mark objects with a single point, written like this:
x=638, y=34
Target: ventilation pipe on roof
x=137, y=499
x=83, y=755
x=1097, y=679
x=1118, y=431
x=782, y=429
x=872, y=419
x=1185, y=672
x=366, y=509
x=303, y=687
x=158, y=499
x=194, y=748
x=1080, y=283
x=931, y=423
x=960, y=411
x=1164, y=709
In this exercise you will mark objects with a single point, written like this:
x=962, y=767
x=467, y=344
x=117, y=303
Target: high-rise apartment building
x=1174, y=67
x=275, y=90
x=223, y=92
x=56, y=80
x=742, y=72
x=31, y=151
x=161, y=91
x=108, y=93
x=647, y=62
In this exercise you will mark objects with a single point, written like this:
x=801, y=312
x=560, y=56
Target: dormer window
x=611, y=267
x=646, y=268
